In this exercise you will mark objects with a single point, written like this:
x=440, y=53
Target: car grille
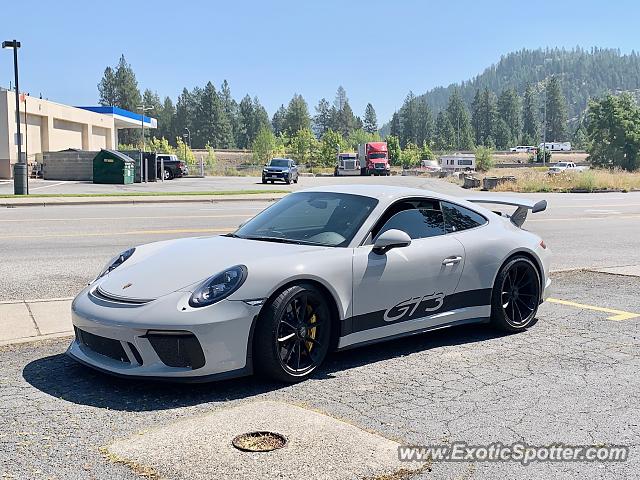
x=350, y=165
x=379, y=165
x=177, y=349
x=274, y=173
x=107, y=347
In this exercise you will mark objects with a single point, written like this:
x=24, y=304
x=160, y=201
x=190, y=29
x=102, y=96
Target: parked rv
x=458, y=162
x=556, y=146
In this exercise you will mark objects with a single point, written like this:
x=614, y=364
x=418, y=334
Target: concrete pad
x=52, y=317
x=15, y=322
x=630, y=270
x=318, y=447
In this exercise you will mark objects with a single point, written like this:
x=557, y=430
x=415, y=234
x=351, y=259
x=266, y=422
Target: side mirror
x=390, y=239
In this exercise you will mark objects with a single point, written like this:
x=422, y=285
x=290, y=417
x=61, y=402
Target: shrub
x=484, y=158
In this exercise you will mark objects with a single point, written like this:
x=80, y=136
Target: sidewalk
x=34, y=320
x=31, y=201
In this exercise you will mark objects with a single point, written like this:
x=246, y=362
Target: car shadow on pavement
x=61, y=377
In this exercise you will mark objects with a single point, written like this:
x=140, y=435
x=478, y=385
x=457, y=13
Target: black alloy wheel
x=516, y=295
x=293, y=334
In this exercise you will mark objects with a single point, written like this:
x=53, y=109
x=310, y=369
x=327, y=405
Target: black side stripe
x=367, y=321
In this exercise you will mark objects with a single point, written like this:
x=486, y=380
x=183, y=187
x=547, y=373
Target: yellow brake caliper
x=312, y=330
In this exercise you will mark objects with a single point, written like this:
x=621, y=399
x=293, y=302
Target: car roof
x=384, y=193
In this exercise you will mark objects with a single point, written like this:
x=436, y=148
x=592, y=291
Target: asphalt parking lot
x=571, y=378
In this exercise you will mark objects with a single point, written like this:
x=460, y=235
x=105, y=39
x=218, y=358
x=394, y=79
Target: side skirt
x=415, y=332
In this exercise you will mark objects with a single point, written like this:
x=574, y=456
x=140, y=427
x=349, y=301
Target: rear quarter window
x=457, y=218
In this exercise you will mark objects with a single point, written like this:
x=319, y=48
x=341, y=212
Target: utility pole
x=544, y=128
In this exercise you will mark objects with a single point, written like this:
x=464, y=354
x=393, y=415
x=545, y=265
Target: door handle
x=451, y=260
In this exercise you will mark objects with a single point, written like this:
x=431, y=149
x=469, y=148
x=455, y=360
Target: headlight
x=218, y=287
x=265, y=170
x=116, y=262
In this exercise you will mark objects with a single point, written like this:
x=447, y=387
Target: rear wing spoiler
x=523, y=206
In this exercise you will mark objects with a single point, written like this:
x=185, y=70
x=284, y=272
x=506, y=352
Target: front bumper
x=164, y=338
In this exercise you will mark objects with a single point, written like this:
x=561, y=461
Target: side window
x=457, y=218
x=417, y=223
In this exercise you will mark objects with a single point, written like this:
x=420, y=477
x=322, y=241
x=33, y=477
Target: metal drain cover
x=259, y=441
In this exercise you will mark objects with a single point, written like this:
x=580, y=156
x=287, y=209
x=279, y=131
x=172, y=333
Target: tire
x=516, y=295
x=168, y=175
x=296, y=180
x=286, y=349
x=287, y=181
x=264, y=181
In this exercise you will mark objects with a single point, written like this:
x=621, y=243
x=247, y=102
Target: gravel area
x=571, y=378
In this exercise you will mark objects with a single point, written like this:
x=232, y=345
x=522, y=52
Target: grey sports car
x=321, y=269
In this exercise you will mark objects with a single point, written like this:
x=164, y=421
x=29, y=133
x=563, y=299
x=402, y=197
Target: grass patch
x=144, y=194
x=535, y=180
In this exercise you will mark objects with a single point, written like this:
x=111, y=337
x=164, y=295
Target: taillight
x=181, y=164
x=542, y=244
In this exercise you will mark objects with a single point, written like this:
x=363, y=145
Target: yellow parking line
x=132, y=232
x=618, y=314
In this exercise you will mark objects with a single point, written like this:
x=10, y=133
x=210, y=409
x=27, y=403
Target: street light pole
x=20, y=174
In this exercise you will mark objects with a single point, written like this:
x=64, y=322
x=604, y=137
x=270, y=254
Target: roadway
x=52, y=252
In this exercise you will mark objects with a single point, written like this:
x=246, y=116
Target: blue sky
x=377, y=50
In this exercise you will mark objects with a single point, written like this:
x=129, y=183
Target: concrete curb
x=53, y=201
x=30, y=320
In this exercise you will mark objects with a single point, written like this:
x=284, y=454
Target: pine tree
x=322, y=118
x=245, y=123
x=166, y=121
x=425, y=125
x=409, y=120
x=530, y=124
x=370, y=124
x=343, y=119
x=126, y=86
x=230, y=108
x=394, y=128
x=107, y=88
x=444, y=134
x=459, y=119
x=297, y=116
x=212, y=124
x=556, y=111
x=277, y=122
x=509, y=111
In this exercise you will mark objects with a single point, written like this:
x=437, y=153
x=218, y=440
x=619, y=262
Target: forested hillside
x=583, y=73
x=580, y=75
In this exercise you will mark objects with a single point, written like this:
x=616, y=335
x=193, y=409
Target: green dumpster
x=110, y=166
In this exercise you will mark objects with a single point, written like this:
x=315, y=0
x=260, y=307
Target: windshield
x=562, y=164
x=278, y=162
x=377, y=155
x=310, y=218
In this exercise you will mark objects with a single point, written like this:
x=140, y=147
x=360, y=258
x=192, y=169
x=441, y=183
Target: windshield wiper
x=232, y=235
x=283, y=240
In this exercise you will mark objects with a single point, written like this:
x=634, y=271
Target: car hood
x=158, y=269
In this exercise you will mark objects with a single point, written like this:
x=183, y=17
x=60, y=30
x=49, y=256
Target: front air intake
x=176, y=348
